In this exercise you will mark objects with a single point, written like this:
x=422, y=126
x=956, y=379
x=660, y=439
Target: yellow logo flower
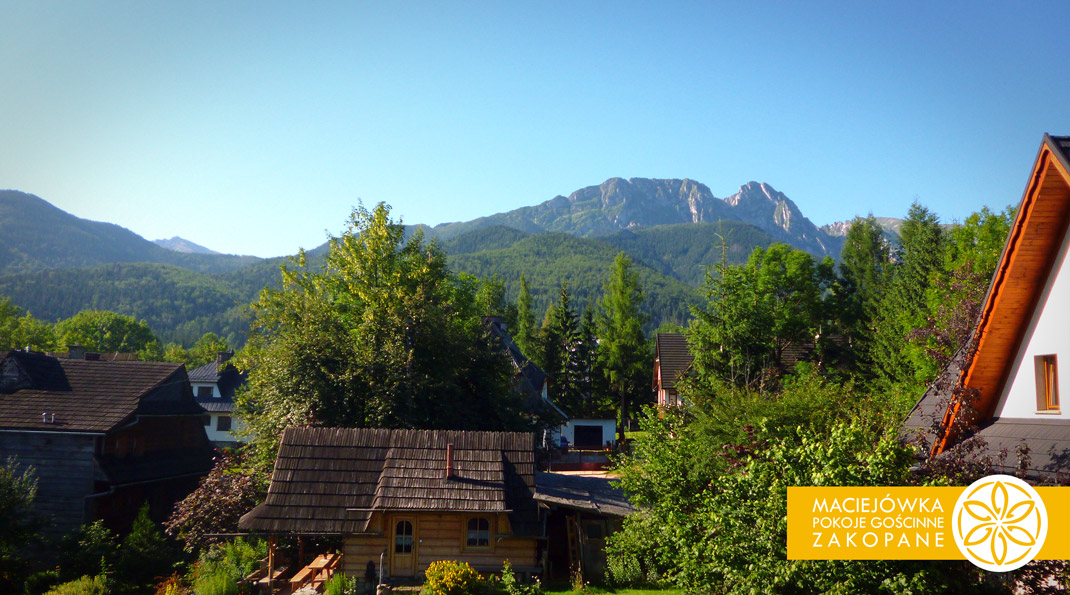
x=999, y=523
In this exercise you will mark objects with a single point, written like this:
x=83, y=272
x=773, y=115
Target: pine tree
x=864, y=263
x=624, y=351
x=526, y=332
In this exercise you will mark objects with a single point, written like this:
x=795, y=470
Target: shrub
x=96, y=585
x=222, y=566
x=146, y=556
x=447, y=577
x=340, y=584
x=511, y=586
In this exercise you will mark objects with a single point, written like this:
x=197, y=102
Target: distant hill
x=183, y=245
x=547, y=259
x=178, y=304
x=55, y=264
x=36, y=236
x=639, y=203
x=686, y=250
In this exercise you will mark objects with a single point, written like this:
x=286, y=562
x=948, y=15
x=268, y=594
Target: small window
x=478, y=533
x=595, y=531
x=403, y=538
x=223, y=425
x=204, y=392
x=207, y=420
x=1047, y=371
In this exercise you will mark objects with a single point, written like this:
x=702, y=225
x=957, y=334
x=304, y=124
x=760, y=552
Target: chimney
x=449, y=460
x=75, y=352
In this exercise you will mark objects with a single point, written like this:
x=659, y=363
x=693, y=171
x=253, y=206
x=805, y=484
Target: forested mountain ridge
x=36, y=236
x=638, y=203
x=54, y=264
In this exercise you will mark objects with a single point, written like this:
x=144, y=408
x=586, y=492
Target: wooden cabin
x=672, y=359
x=1009, y=370
x=102, y=436
x=411, y=496
x=582, y=511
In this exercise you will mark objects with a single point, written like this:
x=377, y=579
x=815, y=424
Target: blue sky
x=255, y=127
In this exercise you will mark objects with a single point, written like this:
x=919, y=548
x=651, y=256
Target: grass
x=604, y=591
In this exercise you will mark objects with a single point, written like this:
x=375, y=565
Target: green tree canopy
x=105, y=332
x=756, y=311
x=19, y=330
x=384, y=335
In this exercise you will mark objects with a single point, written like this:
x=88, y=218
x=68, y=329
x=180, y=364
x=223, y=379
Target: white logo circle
x=999, y=523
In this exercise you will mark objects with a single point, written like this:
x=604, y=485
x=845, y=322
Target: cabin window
x=1047, y=372
x=203, y=392
x=207, y=420
x=223, y=425
x=478, y=533
x=403, y=538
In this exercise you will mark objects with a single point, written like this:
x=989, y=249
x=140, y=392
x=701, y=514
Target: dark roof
x=331, y=480
x=1048, y=441
x=531, y=377
x=672, y=351
x=86, y=395
x=578, y=492
x=216, y=405
x=925, y=419
x=1061, y=147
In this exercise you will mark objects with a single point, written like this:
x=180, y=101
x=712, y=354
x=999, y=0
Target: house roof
x=532, y=378
x=578, y=492
x=224, y=376
x=1013, y=294
x=86, y=395
x=673, y=355
x=332, y=480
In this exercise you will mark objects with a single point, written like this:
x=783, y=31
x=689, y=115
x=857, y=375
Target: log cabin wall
x=63, y=465
x=439, y=536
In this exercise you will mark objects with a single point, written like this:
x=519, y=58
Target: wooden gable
x=1027, y=261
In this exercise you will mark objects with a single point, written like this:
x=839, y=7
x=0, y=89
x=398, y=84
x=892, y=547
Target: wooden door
x=403, y=548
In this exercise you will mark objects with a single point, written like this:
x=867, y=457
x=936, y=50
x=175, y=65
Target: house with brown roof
x=408, y=497
x=1005, y=382
x=672, y=359
x=102, y=436
x=214, y=385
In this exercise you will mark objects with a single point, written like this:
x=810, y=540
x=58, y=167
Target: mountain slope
x=35, y=235
x=638, y=203
x=178, y=304
x=547, y=259
x=686, y=250
x=177, y=244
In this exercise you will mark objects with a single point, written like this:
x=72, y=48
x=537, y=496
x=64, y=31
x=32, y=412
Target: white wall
x=1048, y=333
x=609, y=429
x=215, y=435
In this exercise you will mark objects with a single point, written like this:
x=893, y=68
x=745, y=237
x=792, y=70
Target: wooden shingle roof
x=331, y=480
x=673, y=356
x=85, y=395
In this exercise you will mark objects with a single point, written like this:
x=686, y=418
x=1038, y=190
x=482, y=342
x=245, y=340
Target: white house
x=1022, y=335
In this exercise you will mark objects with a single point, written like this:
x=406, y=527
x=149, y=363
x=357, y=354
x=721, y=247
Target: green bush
x=96, y=585
x=41, y=582
x=447, y=577
x=340, y=584
x=219, y=569
x=511, y=586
